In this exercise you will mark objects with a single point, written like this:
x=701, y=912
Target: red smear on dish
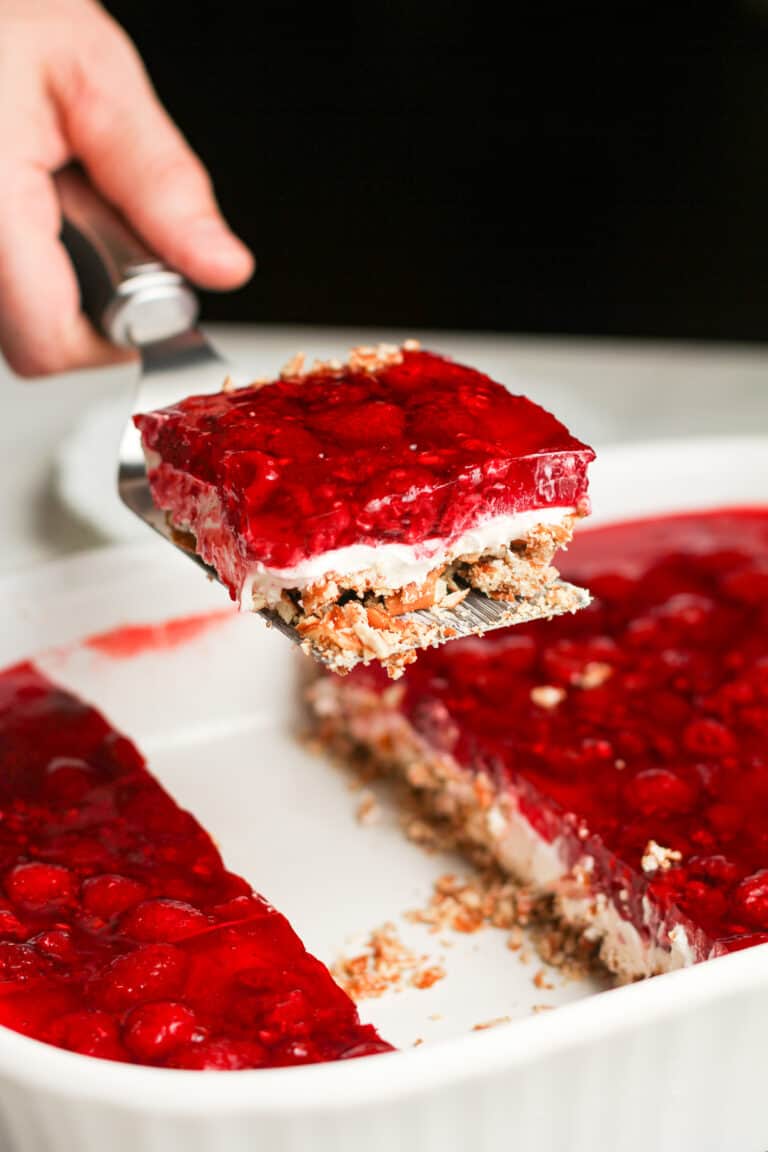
x=135, y=639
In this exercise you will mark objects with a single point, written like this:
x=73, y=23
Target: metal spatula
x=136, y=301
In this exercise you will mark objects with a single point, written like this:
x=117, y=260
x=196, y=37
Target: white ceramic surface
x=675, y=1063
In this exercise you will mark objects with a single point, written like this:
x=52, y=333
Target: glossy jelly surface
x=122, y=935
x=415, y=451
x=653, y=722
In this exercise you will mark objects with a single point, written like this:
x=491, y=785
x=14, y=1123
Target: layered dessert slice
x=122, y=935
x=615, y=759
x=362, y=502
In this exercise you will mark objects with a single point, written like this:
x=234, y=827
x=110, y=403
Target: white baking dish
x=676, y=1063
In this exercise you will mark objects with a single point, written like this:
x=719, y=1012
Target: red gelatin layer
x=654, y=726
x=122, y=935
x=418, y=449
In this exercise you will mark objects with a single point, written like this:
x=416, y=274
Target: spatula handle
x=126, y=292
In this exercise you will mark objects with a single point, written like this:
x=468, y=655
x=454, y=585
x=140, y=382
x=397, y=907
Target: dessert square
x=122, y=934
x=615, y=759
x=362, y=502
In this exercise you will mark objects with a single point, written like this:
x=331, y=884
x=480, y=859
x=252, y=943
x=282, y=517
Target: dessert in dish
x=616, y=758
x=361, y=502
x=122, y=935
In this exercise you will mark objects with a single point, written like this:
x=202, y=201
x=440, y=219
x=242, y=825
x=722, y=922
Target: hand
x=72, y=86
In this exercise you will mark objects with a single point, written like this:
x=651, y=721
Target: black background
x=555, y=168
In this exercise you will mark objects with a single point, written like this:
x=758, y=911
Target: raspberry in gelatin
x=121, y=932
x=638, y=727
x=412, y=449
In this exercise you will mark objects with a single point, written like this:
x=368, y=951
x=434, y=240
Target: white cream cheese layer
x=395, y=565
x=505, y=831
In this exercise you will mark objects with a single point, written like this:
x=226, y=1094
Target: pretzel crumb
x=331, y=365
x=515, y=939
x=385, y=964
x=467, y=904
x=294, y=367
x=368, y=810
x=491, y=1023
x=593, y=674
x=547, y=695
x=656, y=858
x=370, y=358
x=426, y=977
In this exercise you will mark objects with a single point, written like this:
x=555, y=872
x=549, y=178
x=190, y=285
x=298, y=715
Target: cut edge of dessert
x=343, y=620
x=613, y=763
x=362, y=616
x=362, y=727
x=381, y=601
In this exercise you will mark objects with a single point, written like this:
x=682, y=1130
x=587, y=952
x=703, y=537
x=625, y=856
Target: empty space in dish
x=217, y=717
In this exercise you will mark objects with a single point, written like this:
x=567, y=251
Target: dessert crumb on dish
x=426, y=977
x=384, y=964
x=489, y=898
x=494, y=1023
x=368, y=810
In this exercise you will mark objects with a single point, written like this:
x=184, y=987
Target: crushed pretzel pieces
x=490, y=898
x=593, y=675
x=547, y=695
x=369, y=358
x=294, y=367
x=368, y=810
x=466, y=904
x=491, y=1023
x=515, y=940
x=540, y=981
x=426, y=977
x=656, y=858
x=385, y=964
x=365, y=358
